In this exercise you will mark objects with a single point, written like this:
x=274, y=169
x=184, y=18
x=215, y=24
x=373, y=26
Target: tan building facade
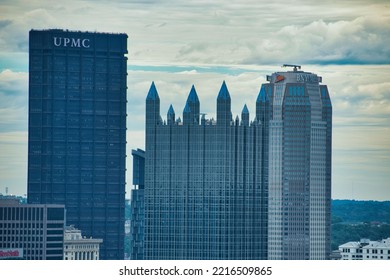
x=77, y=247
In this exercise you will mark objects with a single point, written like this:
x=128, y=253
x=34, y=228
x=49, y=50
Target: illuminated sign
x=71, y=42
x=279, y=78
x=307, y=78
x=11, y=253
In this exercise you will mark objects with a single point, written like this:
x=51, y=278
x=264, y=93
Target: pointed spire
x=224, y=114
x=223, y=92
x=193, y=96
x=245, y=116
x=194, y=104
x=153, y=117
x=171, y=116
x=171, y=111
x=245, y=110
x=152, y=94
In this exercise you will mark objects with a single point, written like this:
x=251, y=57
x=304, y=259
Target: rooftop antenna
x=293, y=65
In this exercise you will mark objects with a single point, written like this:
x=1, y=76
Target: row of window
x=368, y=251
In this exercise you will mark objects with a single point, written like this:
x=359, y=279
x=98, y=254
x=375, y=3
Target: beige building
x=77, y=247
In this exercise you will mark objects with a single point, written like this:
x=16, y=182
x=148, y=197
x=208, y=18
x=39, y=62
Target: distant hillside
x=353, y=220
x=354, y=211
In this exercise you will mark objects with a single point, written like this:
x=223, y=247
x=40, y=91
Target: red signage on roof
x=279, y=78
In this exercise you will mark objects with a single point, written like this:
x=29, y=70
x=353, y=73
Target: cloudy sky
x=180, y=43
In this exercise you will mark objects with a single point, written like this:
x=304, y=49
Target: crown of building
x=191, y=110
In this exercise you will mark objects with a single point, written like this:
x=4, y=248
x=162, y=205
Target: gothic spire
x=152, y=94
x=193, y=96
x=223, y=92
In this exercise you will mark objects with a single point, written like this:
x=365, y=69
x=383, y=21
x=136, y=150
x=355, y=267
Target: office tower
x=296, y=114
x=31, y=232
x=204, y=197
x=137, y=206
x=77, y=130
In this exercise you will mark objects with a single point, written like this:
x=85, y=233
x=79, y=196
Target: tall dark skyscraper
x=241, y=189
x=77, y=130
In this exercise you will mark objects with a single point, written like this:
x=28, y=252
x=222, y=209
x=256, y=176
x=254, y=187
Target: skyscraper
x=241, y=189
x=296, y=116
x=137, y=206
x=77, y=130
x=204, y=197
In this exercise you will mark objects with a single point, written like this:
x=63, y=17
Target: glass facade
x=203, y=196
x=137, y=206
x=297, y=115
x=77, y=130
x=240, y=189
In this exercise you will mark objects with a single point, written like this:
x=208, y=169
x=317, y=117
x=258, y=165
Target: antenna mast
x=293, y=65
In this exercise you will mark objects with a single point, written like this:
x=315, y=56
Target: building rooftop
x=170, y=110
x=193, y=96
x=352, y=244
x=366, y=243
x=223, y=92
x=77, y=31
x=152, y=94
x=385, y=243
x=73, y=234
x=245, y=110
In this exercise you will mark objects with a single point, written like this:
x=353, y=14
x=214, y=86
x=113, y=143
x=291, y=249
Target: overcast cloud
x=180, y=43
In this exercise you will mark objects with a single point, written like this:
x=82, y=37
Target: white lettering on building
x=71, y=42
x=85, y=43
x=307, y=78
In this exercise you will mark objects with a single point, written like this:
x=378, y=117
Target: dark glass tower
x=203, y=195
x=77, y=130
x=137, y=206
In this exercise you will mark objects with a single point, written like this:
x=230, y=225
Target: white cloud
x=13, y=162
x=13, y=82
x=207, y=35
x=238, y=32
x=13, y=100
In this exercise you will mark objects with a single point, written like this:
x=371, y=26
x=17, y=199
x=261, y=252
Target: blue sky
x=180, y=43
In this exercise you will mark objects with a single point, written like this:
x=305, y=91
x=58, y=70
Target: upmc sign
x=71, y=42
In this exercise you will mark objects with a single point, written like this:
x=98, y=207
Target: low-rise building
x=377, y=250
x=78, y=247
x=366, y=249
x=31, y=231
